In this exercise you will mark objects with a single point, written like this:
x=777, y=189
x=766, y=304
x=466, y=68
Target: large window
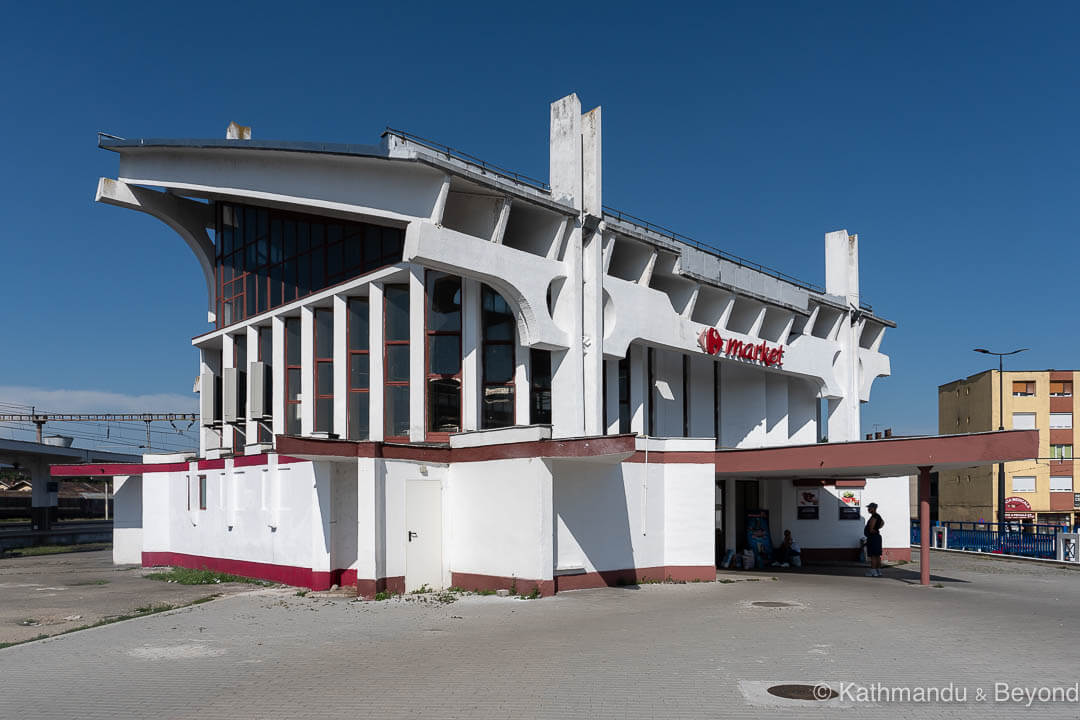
x=1061, y=483
x=1023, y=483
x=443, y=354
x=359, y=368
x=266, y=356
x=396, y=362
x=292, y=376
x=1061, y=452
x=497, y=398
x=267, y=257
x=1023, y=421
x=1060, y=421
x=324, y=369
x=540, y=387
x=1061, y=388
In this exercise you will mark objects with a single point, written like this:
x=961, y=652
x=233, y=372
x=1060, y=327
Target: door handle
x=412, y=535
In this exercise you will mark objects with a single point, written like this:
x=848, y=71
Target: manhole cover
x=772, y=603
x=803, y=692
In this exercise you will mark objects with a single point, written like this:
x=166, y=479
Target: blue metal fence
x=1038, y=541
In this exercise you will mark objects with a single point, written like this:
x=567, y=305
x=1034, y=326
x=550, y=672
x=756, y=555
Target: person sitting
x=788, y=553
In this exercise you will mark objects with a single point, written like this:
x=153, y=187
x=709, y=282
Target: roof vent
x=237, y=132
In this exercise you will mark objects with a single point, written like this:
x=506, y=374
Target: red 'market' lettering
x=711, y=342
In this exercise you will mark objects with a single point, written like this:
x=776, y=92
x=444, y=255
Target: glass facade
x=268, y=257
x=443, y=353
x=497, y=397
x=240, y=363
x=359, y=365
x=292, y=376
x=324, y=369
x=266, y=356
x=540, y=387
x=396, y=362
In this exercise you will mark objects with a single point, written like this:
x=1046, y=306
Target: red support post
x=924, y=524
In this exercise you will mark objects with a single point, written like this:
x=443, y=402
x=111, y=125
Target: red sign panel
x=711, y=342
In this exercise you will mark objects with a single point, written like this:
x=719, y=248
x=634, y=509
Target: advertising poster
x=850, y=503
x=758, y=538
x=807, y=502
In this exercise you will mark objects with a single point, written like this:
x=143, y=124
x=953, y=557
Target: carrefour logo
x=711, y=342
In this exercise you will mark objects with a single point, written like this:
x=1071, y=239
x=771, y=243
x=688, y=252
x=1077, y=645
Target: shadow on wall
x=592, y=521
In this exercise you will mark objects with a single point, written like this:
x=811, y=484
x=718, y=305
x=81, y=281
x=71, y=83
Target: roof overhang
x=889, y=457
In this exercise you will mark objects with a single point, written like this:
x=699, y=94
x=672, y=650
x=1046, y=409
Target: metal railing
x=452, y=153
x=1038, y=541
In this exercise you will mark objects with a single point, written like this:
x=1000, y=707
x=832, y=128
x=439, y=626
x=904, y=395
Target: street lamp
x=1001, y=423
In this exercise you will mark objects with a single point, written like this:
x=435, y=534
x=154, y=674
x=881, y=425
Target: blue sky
x=942, y=133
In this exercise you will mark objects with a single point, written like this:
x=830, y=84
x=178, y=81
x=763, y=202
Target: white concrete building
x=427, y=370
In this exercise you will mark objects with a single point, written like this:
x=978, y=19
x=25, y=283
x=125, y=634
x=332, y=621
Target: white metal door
x=423, y=534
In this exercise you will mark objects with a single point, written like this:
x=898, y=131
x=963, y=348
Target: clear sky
x=944, y=134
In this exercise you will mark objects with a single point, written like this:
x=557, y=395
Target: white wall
x=266, y=514
x=501, y=515
x=127, y=519
x=742, y=406
x=616, y=517
x=828, y=531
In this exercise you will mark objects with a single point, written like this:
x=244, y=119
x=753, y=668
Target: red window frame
x=511, y=342
x=268, y=257
x=321, y=394
x=387, y=383
x=290, y=412
x=429, y=376
x=354, y=351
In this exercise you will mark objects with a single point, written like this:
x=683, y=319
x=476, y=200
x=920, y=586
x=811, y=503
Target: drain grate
x=803, y=692
x=771, y=603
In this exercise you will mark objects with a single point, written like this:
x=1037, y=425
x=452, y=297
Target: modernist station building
x=424, y=370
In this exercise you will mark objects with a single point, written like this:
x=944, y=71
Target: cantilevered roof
x=889, y=457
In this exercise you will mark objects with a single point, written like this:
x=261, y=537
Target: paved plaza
x=51, y=594
x=697, y=651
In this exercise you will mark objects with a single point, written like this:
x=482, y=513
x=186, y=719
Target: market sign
x=711, y=342
x=1018, y=508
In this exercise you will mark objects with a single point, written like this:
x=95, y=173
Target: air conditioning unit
x=230, y=395
x=209, y=399
x=261, y=390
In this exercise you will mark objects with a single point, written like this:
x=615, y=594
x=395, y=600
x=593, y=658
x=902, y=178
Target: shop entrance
x=747, y=498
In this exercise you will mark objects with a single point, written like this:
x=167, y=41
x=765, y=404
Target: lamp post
x=1001, y=423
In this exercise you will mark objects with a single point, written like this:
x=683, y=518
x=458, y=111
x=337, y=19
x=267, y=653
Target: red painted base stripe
x=287, y=574
x=474, y=581
x=635, y=576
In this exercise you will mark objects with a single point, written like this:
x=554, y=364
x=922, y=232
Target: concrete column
x=251, y=428
x=638, y=389
x=417, y=352
x=565, y=160
x=522, y=378
x=924, y=525
x=307, y=370
x=277, y=335
x=842, y=279
x=470, y=352
x=592, y=275
x=729, y=513
x=227, y=342
x=376, y=355
x=340, y=424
